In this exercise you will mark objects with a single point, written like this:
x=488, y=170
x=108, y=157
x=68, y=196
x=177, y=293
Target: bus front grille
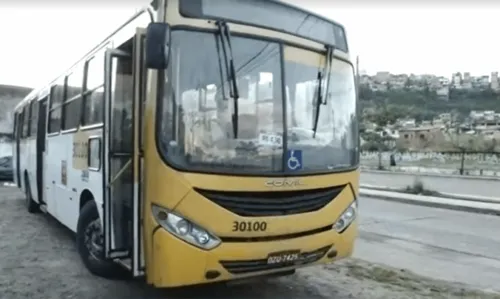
x=250, y=266
x=274, y=203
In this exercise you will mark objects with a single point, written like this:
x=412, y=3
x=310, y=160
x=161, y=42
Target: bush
x=418, y=188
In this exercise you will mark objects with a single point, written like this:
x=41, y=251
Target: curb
x=474, y=198
x=434, y=202
x=455, y=176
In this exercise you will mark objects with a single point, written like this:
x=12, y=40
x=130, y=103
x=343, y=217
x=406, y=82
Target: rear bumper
x=177, y=263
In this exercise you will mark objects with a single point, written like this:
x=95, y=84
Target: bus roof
x=269, y=14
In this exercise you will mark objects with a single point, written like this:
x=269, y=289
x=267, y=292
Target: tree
x=376, y=142
x=408, y=84
x=427, y=90
x=388, y=86
x=461, y=142
x=365, y=92
x=490, y=145
x=379, y=141
x=383, y=115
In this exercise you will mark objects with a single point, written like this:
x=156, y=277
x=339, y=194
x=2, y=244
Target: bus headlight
x=346, y=218
x=184, y=229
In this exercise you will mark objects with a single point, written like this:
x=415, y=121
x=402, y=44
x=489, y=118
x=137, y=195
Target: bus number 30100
x=249, y=226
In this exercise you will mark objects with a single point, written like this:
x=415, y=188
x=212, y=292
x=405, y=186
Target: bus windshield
x=196, y=112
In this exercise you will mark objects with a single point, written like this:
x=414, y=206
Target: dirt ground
x=38, y=260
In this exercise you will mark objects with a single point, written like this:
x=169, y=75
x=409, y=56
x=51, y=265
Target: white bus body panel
x=63, y=200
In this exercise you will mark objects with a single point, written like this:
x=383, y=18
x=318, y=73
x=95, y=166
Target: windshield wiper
x=320, y=100
x=225, y=37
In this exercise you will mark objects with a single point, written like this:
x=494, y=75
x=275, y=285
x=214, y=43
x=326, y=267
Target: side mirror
x=157, y=46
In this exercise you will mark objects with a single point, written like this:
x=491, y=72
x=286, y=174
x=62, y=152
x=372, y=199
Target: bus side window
x=14, y=128
x=55, y=120
x=21, y=124
x=73, y=99
x=34, y=117
x=57, y=93
x=26, y=121
x=93, y=91
x=56, y=96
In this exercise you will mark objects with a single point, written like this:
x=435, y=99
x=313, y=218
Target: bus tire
x=89, y=242
x=31, y=205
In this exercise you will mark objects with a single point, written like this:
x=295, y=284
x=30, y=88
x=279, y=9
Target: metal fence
x=464, y=163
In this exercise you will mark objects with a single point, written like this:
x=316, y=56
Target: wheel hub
x=94, y=239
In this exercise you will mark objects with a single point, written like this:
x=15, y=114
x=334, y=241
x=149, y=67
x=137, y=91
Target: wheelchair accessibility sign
x=294, y=160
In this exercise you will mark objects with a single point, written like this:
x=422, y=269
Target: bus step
x=125, y=263
x=43, y=208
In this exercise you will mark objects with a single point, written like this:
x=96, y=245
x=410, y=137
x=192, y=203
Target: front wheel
x=90, y=245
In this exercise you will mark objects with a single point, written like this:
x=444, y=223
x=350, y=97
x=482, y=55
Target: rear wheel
x=31, y=205
x=89, y=241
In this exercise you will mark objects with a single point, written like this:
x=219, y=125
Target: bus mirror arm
x=157, y=45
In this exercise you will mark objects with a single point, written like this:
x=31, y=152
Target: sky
x=422, y=37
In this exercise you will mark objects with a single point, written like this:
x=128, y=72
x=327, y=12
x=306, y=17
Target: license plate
x=284, y=257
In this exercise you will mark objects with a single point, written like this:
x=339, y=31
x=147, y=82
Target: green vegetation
x=425, y=104
x=418, y=188
x=382, y=115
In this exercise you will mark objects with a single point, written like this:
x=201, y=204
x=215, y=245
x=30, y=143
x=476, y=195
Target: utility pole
x=358, y=112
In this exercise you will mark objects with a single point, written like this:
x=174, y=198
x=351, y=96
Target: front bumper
x=177, y=263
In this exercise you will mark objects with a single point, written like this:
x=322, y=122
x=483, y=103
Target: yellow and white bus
x=203, y=141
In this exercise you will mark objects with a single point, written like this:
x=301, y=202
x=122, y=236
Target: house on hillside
x=421, y=138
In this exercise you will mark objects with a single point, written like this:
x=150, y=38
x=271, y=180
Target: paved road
x=443, y=244
x=443, y=184
x=38, y=259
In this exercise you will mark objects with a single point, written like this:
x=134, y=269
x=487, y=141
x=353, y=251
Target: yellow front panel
x=173, y=262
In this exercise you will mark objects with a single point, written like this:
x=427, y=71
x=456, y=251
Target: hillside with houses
x=430, y=113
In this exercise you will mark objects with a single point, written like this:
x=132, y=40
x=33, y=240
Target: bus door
x=40, y=148
x=123, y=158
x=17, y=137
